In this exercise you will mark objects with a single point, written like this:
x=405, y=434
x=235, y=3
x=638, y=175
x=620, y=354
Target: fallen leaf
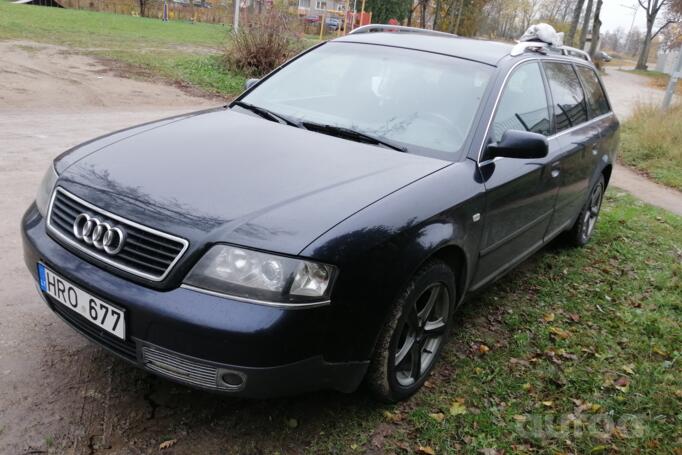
x=549, y=317
x=426, y=450
x=438, y=416
x=622, y=384
x=575, y=317
x=519, y=418
x=167, y=444
x=660, y=351
x=629, y=368
x=483, y=349
x=527, y=387
x=598, y=449
x=559, y=333
x=393, y=417
x=354, y=446
x=457, y=408
x=678, y=393
x=548, y=403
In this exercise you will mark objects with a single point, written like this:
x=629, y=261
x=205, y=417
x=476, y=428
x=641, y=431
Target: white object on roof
x=544, y=33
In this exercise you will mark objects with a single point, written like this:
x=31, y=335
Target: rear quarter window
x=570, y=107
x=596, y=98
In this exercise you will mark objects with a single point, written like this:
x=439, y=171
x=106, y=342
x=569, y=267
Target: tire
x=581, y=232
x=413, y=337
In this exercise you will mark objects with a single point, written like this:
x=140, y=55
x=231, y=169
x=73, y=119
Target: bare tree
x=652, y=8
x=596, y=26
x=586, y=25
x=143, y=8
x=574, y=22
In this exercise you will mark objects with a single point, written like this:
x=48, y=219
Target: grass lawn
x=651, y=142
x=576, y=352
x=180, y=51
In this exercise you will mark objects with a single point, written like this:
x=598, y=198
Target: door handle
x=555, y=173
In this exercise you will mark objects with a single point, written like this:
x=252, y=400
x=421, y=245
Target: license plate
x=103, y=315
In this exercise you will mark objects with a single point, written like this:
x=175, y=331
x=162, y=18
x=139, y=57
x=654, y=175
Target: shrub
x=263, y=42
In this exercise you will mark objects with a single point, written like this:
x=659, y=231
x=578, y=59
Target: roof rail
x=540, y=46
x=521, y=47
x=375, y=28
x=568, y=50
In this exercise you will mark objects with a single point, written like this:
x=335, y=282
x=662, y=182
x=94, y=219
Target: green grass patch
x=651, y=142
x=183, y=52
x=582, y=355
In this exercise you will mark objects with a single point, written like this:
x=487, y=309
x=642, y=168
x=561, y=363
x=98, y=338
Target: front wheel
x=413, y=338
x=582, y=231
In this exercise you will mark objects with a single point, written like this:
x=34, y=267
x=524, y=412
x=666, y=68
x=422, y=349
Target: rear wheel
x=582, y=230
x=412, y=341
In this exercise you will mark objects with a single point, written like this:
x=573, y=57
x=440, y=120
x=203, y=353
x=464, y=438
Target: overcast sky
x=616, y=13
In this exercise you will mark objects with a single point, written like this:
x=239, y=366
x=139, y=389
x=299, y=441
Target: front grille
x=146, y=252
x=125, y=349
x=180, y=368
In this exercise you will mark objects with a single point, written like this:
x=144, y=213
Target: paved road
x=56, y=389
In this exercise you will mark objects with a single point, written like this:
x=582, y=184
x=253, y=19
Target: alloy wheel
x=422, y=334
x=592, y=212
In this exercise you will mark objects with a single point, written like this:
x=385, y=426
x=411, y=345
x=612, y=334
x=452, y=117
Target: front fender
x=379, y=248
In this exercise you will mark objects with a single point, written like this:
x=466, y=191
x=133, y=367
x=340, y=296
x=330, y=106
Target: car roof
x=488, y=52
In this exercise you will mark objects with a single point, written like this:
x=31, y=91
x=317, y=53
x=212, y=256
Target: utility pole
x=235, y=20
x=635, y=10
x=672, y=83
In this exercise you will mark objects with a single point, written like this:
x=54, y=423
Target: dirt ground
x=58, y=392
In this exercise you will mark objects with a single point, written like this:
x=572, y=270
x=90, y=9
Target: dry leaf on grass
x=457, y=407
x=622, y=384
x=426, y=450
x=167, y=444
x=438, y=416
x=559, y=333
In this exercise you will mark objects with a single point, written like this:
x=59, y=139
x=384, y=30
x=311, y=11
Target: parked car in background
x=334, y=23
x=603, y=56
x=322, y=229
x=312, y=19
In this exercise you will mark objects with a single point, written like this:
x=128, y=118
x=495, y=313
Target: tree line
x=508, y=19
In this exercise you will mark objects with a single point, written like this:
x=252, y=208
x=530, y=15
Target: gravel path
x=626, y=91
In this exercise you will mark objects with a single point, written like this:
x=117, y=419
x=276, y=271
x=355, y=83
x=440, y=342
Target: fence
x=666, y=61
x=204, y=12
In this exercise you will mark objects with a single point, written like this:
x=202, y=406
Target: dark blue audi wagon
x=320, y=231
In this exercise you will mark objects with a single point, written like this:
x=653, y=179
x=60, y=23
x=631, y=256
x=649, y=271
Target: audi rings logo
x=98, y=234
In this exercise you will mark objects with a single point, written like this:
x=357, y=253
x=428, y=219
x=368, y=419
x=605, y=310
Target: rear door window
x=596, y=97
x=570, y=107
x=523, y=105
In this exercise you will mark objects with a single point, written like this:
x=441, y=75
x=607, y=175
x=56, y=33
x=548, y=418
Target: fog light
x=233, y=379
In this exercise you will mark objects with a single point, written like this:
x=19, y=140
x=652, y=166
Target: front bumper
x=199, y=339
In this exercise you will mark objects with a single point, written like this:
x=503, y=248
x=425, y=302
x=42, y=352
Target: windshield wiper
x=268, y=114
x=348, y=133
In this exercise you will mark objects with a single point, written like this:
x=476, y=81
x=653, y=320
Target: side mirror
x=250, y=83
x=519, y=144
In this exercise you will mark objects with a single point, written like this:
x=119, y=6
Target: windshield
x=425, y=102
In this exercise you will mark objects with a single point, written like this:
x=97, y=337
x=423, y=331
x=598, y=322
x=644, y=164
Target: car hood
x=226, y=176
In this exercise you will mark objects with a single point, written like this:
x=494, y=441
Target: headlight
x=45, y=190
x=263, y=277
